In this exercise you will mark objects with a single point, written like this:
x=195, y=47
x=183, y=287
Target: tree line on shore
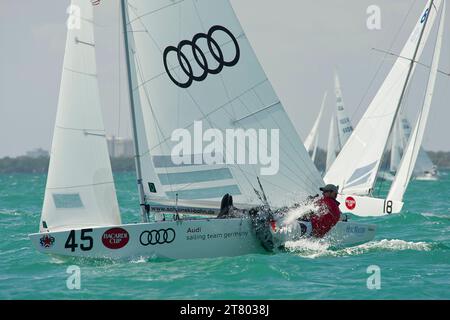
x=25, y=164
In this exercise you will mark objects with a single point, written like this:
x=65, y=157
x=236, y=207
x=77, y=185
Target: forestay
x=195, y=69
x=80, y=188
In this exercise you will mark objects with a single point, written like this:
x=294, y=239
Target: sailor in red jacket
x=329, y=213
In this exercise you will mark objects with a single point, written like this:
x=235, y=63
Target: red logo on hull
x=350, y=203
x=115, y=238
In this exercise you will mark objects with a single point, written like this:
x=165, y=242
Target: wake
x=311, y=248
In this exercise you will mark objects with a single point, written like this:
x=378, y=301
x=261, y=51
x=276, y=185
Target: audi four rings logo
x=157, y=237
x=200, y=57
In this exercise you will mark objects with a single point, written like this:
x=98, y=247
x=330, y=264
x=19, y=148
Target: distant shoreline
x=25, y=164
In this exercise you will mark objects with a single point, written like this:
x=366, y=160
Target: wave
x=318, y=248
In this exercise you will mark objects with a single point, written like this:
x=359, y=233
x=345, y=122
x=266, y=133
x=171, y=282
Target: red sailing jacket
x=327, y=217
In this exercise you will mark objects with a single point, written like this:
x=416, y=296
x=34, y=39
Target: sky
x=299, y=44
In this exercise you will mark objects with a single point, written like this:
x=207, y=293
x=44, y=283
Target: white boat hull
x=184, y=239
x=368, y=206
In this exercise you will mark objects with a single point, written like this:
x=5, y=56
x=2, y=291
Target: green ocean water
x=411, y=249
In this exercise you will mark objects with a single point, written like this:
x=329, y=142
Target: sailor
x=228, y=210
x=328, y=214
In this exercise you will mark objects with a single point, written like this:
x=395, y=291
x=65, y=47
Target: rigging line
x=154, y=11
x=82, y=185
x=292, y=145
x=417, y=62
x=80, y=129
x=382, y=61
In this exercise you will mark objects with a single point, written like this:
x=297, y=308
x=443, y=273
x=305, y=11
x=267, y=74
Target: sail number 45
x=72, y=244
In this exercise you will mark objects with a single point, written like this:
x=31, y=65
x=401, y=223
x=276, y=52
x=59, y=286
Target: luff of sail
x=407, y=164
x=195, y=70
x=80, y=189
x=356, y=167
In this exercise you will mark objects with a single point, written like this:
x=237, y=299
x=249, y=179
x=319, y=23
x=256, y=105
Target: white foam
x=316, y=248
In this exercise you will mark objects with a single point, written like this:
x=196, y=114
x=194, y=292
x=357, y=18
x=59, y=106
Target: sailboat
x=424, y=168
x=187, y=61
x=340, y=126
x=312, y=140
x=358, y=164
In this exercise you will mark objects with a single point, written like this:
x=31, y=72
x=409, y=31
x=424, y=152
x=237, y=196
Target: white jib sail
x=356, y=167
x=80, y=189
x=195, y=70
x=332, y=144
x=312, y=138
x=397, y=147
x=407, y=164
x=344, y=125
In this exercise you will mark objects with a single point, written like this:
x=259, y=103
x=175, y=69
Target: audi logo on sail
x=200, y=57
x=155, y=237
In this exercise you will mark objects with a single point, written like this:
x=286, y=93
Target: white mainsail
x=80, y=188
x=193, y=62
x=407, y=164
x=356, y=167
x=344, y=125
x=312, y=140
x=332, y=144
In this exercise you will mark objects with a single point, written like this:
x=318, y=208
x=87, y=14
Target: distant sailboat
x=358, y=164
x=345, y=127
x=217, y=79
x=312, y=140
x=340, y=126
x=424, y=169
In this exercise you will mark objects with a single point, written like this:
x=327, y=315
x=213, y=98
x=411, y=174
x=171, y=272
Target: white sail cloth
x=407, y=164
x=80, y=188
x=195, y=70
x=356, y=167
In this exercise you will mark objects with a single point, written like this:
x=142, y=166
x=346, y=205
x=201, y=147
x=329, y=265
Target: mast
x=405, y=86
x=137, y=160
